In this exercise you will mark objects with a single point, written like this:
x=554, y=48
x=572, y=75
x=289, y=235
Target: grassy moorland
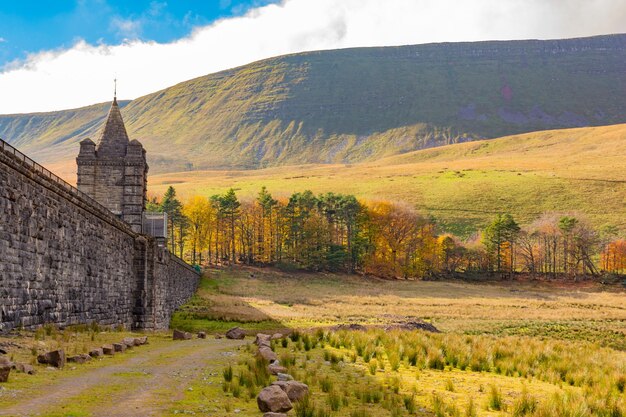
x=270, y=299
x=464, y=185
x=507, y=349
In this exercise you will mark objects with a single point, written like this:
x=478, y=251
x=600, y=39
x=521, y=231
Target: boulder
x=140, y=341
x=108, y=350
x=5, y=369
x=24, y=368
x=273, y=399
x=129, y=342
x=80, y=358
x=119, y=347
x=236, y=333
x=277, y=336
x=262, y=340
x=276, y=369
x=201, y=335
x=284, y=377
x=180, y=335
x=95, y=353
x=55, y=358
x=268, y=354
x=413, y=325
x=295, y=390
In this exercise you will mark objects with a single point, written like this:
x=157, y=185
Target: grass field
x=463, y=185
x=542, y=349
x=507, y=349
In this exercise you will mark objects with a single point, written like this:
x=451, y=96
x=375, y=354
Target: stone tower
x=114, y=172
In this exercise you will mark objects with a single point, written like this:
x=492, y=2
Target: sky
x=65, y=53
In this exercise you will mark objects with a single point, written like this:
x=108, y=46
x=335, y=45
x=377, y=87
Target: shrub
x=494, y=399
x=228, y=373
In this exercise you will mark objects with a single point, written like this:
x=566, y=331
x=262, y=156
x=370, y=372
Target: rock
x=273, y=399
x=55, y=358
x=276, y=369
x=96, y=353
x=277, y=336
x=284, y=377
x=119, y=347
x=24, y=368
x=201, y=335
x=180, y=335
x=262, y=340
x=5, y=369
x=295, y=390
x=3, y=352
x=80, y=358
x=140, y=341
x=108, y=350
x=352, y=326
x=129, y=342
x=218, y=336
x=236, y=333
x=413, y=325
x=274, y=415
x=268, y=354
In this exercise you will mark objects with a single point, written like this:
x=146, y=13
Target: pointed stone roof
x=114, y=139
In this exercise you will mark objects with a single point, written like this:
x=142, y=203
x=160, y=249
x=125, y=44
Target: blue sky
x=29, y=26
x=60, y=54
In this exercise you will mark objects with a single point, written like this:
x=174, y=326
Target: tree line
x=337, y=232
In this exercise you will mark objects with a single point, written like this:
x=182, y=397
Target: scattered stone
x=55, y=358
x=352, y=326
x=5, y=369
x=129, y=342
x=268, y=354
x=119, y=347
x=25, y=368
x=273, y=399
x=295, y=390
x=180, y=335
x=80, y=358
x=201, y=335
x=236, y=333
x=140, y=341
x=96, y=353
x=218, y=336
x=276, y=369
x=262, y=340
x=284, y=377
x=413, y=325
x=3, y=352
x=108, y=350
x=277, y=336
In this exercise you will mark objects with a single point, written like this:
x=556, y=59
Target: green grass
x=462, y=186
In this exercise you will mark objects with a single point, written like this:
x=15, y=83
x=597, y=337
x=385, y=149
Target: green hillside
x=355, y=105
x=463, y=186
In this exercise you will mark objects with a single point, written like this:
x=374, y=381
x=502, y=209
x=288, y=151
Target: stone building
x=114, y=172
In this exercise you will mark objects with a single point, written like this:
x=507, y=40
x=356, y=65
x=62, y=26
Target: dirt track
x=168, y=368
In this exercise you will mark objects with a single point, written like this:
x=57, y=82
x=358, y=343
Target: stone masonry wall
x=66, y=260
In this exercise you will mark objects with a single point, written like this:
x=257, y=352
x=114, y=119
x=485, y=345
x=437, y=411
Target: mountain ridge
x=353, y=105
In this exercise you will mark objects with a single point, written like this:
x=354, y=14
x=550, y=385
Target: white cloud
x=83, y=74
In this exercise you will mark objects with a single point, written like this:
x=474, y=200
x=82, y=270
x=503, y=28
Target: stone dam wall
x=65, y=259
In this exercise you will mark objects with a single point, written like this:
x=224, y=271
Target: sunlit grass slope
x=463, y=185
x=355, y=105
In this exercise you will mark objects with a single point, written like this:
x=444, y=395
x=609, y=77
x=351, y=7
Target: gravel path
x=165, y=368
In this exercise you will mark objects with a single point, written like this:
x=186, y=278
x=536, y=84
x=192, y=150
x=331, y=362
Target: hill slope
x=355, y=105
x=464, y=185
